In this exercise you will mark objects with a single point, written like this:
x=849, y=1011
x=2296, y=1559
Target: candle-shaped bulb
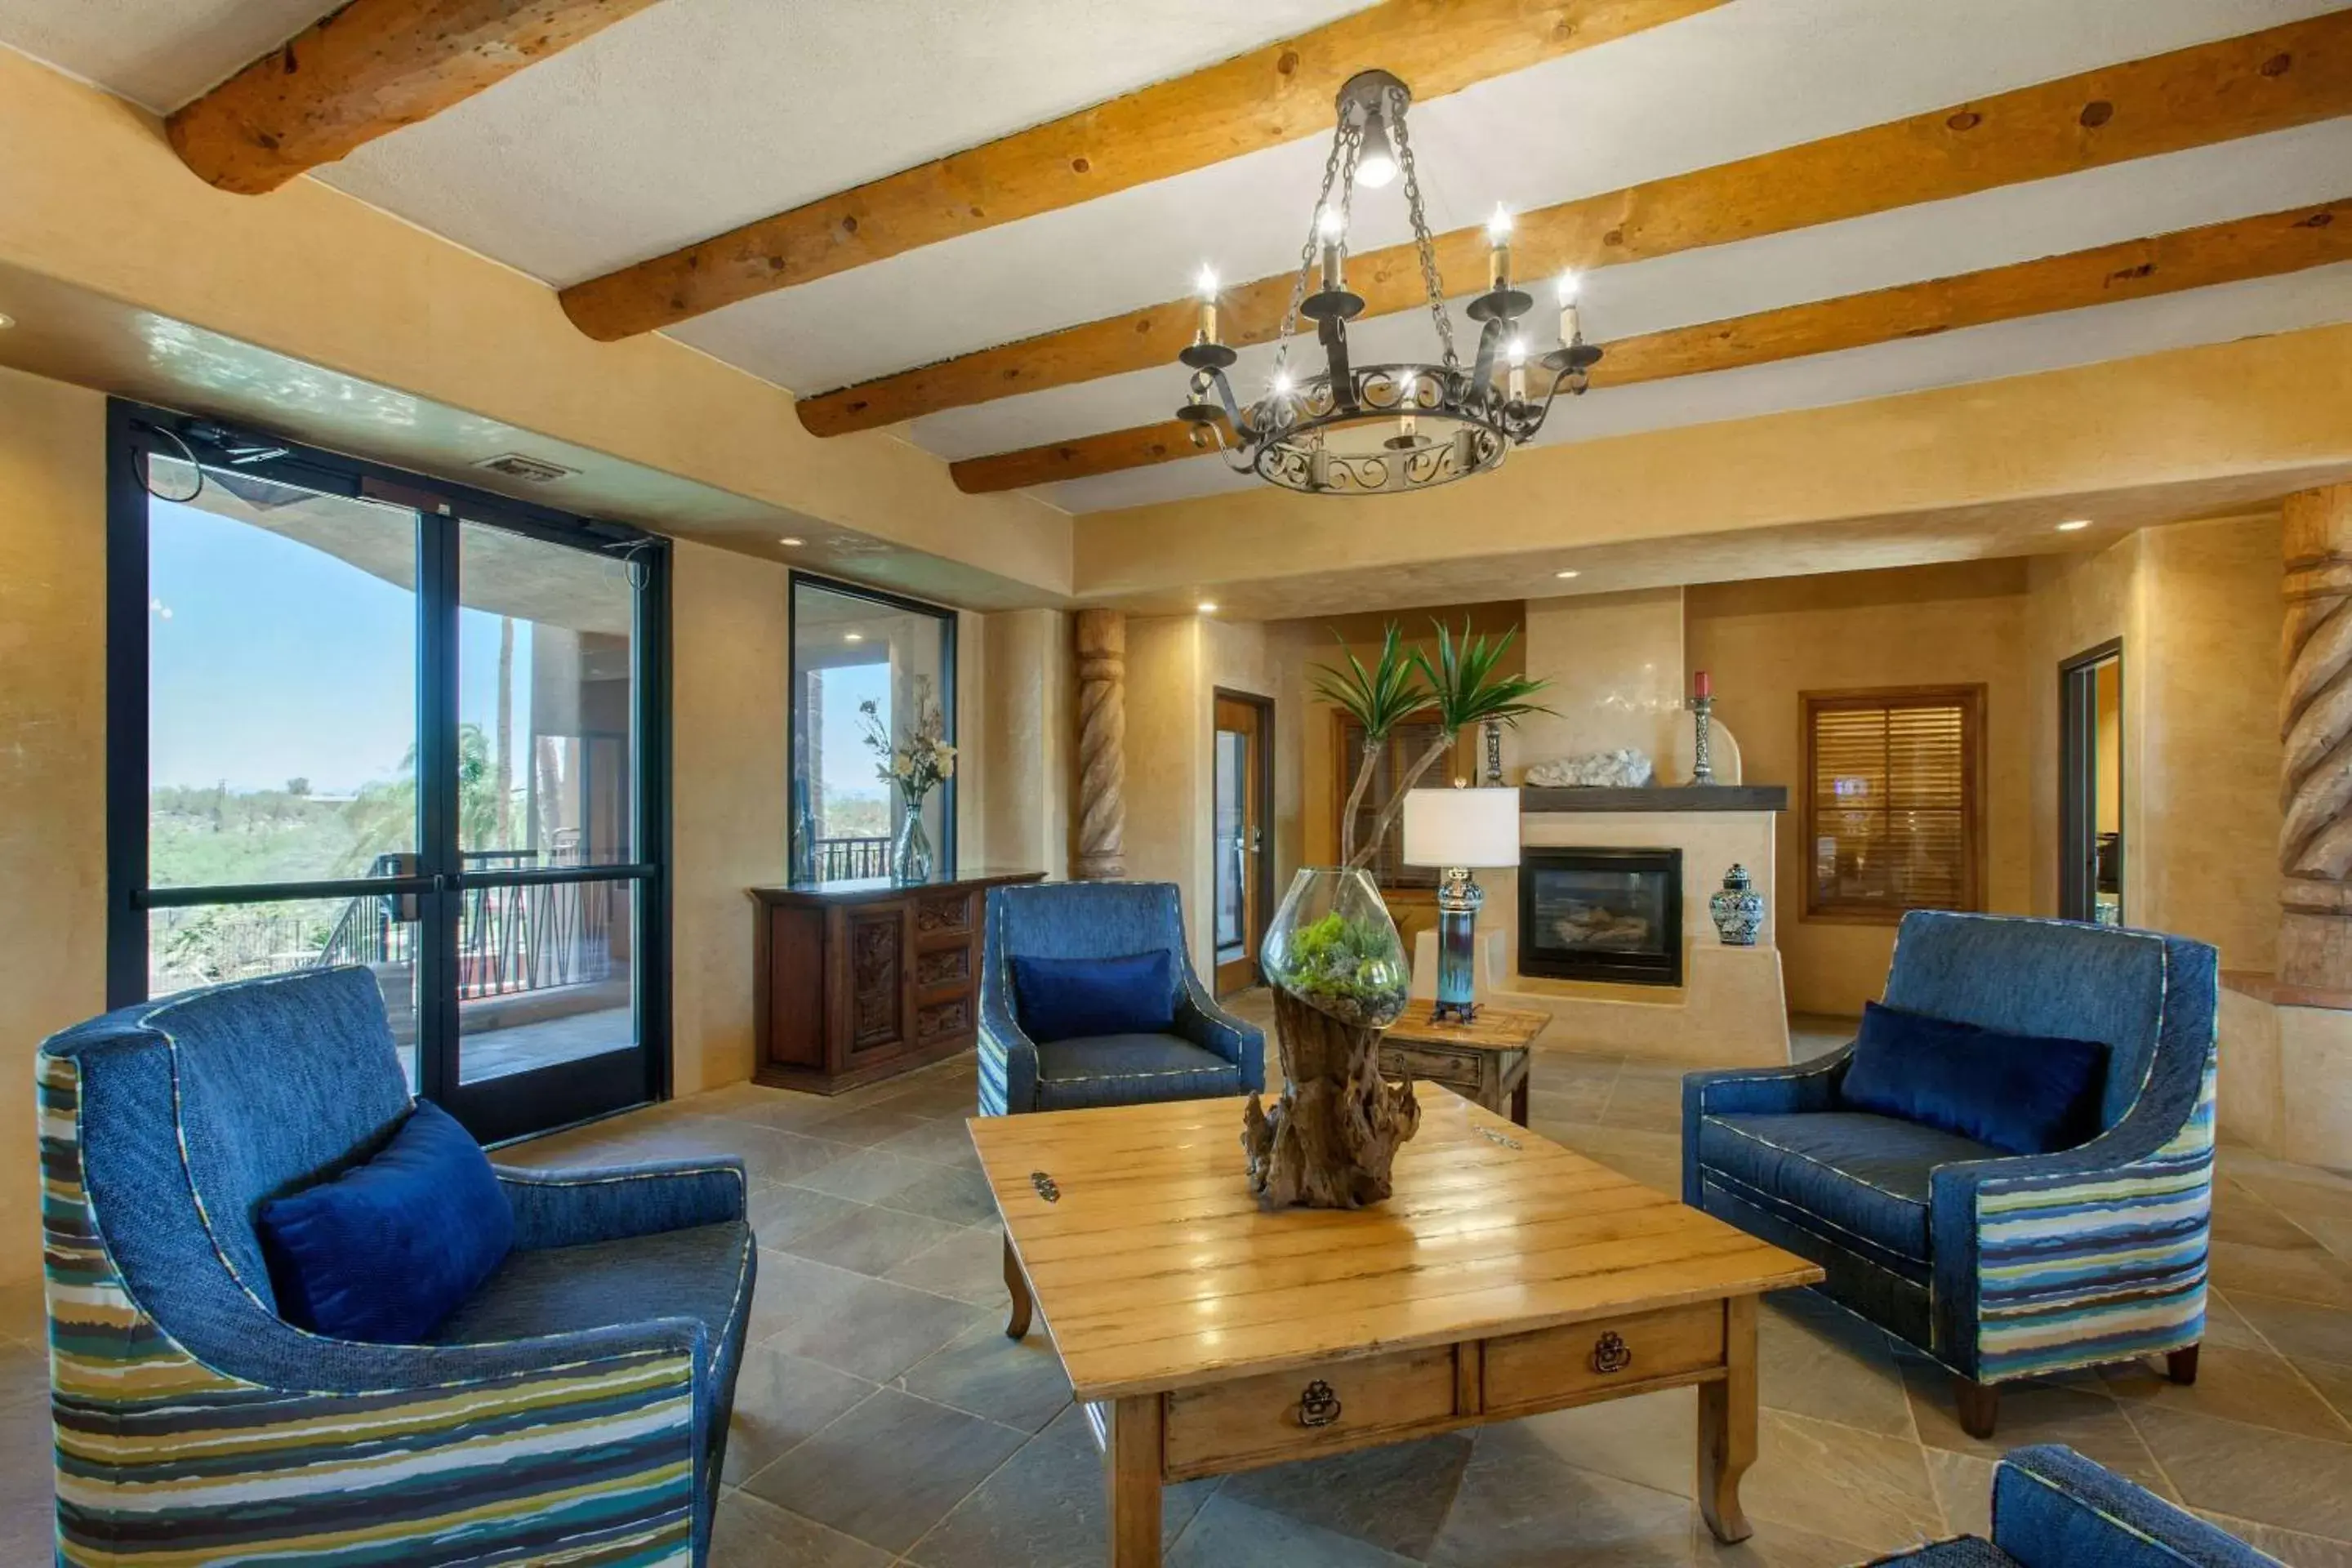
x=1701, y=685
x=1516, y=352
x=1498, y=248
x=1205, y=285
x=1375, y=165
x=1331, y=227
x=1281, y=382
x=1571, y=285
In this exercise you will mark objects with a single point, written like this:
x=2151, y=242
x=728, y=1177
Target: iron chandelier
x=1381, y=430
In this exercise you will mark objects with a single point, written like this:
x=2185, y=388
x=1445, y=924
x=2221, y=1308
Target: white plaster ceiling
x=697, y=115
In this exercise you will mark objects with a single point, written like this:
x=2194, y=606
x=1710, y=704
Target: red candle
x=1701, y=686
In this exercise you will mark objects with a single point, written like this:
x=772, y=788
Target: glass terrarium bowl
x=1333, y=946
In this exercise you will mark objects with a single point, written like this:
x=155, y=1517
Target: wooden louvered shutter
x=1893, y=800
x=1406, y=742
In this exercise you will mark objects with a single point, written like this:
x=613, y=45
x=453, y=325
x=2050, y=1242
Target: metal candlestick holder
x=1701, y=751
x=1493, y=753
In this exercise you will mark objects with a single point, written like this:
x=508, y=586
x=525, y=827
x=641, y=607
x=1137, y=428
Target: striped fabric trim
x=162, y=1460
x=2100, y=1268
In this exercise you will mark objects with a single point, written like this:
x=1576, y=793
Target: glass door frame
x=496, y=1109
x=1257, y=914
x=2078, y=780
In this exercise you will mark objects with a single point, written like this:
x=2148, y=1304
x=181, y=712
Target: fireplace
x=1602, y=914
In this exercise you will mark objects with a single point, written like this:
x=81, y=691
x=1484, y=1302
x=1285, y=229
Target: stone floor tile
x=1566, y=1087
x=1015, y=1382
x=1649, y=1440
x=1521, y=1505
x=2251, y=1472
x=868, y=1176
x=2300, y=1331
x=1963, y=1485
x=2297, y=1550
x=1652, y=1158
x=1044, y=1508
x=2083, y=1415
x=782, y=1401
x=781, y=1214
x=2240, y=1215
x=867, y=1328
x=752, y=1532
x=1832, y=1480
x=1232, y=1534
x=1816, y=1359
x=967, y=1264
x=871, y=1241
x=887, y=1470
x=27, y=1499
x=2333, y=1381
x=862, y=1127
x=1395, y=1498
x=2225, y=1325
x=1646, y=1096
x=944, y=1141
x=949, y=1193
x=2256, y=1386
x=2307, y=1273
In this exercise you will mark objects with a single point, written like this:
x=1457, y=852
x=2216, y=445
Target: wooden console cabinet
x=857, y=981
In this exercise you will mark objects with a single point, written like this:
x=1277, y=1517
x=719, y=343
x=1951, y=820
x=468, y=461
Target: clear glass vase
x=910, y=852
x=1333, y=946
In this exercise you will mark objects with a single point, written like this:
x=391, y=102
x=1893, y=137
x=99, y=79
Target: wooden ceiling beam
x=370, y=68
x=2269, y=80
x=2228, y=252
x=1264, y=99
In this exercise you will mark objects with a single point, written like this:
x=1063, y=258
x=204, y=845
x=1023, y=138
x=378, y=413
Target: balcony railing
x=852, y=860
x=511, y=940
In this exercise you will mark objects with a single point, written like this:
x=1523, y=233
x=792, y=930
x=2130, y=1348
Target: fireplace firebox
x=1602, y=914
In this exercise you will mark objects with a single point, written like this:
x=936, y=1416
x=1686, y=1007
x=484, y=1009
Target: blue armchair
x=1211, y=1053
x=2052, y=1508
x=2000, y=1266
x=575, y=1407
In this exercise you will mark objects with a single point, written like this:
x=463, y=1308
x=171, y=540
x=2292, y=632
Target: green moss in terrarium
x=1343, y=965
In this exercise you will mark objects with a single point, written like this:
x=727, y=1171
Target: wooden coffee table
x=1508, y=1276
x=1485, y=1060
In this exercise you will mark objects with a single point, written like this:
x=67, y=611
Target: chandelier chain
x=1338, y=166
x=1423, y=243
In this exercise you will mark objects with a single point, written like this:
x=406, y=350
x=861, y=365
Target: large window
x=358, y=717
x=866, y=668
x=1893, y=807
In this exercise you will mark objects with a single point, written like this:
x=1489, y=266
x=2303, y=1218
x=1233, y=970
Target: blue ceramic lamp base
x=1458, y=898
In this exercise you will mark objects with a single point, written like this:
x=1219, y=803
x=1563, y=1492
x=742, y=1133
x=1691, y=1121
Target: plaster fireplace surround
x=1616, y=668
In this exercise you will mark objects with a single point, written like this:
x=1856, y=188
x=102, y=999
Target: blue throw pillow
x=389, y=1249
x=2022, y=1093
x=1071, y=999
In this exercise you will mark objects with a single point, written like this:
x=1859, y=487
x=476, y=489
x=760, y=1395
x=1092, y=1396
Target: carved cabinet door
x=873, y=951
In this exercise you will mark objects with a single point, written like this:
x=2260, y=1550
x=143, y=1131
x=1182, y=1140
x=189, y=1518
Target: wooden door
x=1242, y=801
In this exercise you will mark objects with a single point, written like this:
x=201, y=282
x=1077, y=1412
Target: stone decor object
x=1336, y=966
x=1737, y=908
x=2314, y=941
x=1102, y=746
x=1624, y=768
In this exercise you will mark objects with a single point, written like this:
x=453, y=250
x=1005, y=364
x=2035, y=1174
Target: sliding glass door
x=359, y=717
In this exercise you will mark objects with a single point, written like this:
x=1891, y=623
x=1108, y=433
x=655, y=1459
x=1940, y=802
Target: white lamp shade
x=1469, y=827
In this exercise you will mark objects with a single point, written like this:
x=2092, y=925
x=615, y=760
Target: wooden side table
x=1482, y=1061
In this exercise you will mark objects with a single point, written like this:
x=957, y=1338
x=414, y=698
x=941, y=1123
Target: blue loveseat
x=2001, y=1267
x=576, y=1407
x=1210, y=1053
x=2052, y=1508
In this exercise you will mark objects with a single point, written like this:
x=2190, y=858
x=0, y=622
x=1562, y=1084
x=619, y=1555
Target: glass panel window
x=281, y=682
x=874, y=686
x=545, y=974
x=545, y=666
x=1233, y=844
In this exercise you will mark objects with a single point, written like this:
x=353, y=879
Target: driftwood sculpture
x=1332, y=1136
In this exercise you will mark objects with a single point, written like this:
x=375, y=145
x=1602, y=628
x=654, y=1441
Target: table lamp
x=1460, y=831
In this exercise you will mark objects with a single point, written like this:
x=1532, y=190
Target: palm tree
x=384, y=816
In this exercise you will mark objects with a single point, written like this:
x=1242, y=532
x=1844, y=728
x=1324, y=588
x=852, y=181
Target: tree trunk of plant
x=1394, y=806
x=1332, y=1137
x=1366, y=766
x=502, y=786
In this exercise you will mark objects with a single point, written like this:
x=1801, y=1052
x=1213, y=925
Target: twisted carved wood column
x=1102, y=746
x=2314, y=946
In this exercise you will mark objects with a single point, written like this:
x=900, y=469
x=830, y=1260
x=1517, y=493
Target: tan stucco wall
x=728, y=800
x=52, y=758
x=1615, y=664
x=1168, y=760
x=1764, y=643
x=1023, y=753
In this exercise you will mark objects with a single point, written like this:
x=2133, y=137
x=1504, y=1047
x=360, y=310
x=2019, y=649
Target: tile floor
x=883, y=1418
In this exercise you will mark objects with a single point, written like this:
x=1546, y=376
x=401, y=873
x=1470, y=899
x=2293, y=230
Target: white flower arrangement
x=921, y=756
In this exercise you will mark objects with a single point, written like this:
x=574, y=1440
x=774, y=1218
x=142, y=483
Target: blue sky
x=848, y=765
x=270, y=660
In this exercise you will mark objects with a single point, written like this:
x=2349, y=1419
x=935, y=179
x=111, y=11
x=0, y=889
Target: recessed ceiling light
x=1571, y=572
x=2075, y=525
x=1207, y=607
x=853, y=636
x=791, y=541
x=6, y=321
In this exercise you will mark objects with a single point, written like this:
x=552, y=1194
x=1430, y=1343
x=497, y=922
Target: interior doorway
x=1242, y=804
x=2092, y=849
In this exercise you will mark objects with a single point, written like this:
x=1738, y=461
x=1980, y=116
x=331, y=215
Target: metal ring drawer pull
x=1610, y=1356
x=1046, y=1188
x=1319, y=1407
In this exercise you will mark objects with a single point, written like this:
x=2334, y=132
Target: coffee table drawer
x=1291, y=1414
x=1554, y=1366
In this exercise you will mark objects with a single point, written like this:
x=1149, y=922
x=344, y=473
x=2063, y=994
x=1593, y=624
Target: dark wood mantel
x=1664, y=797
x=859, y=980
